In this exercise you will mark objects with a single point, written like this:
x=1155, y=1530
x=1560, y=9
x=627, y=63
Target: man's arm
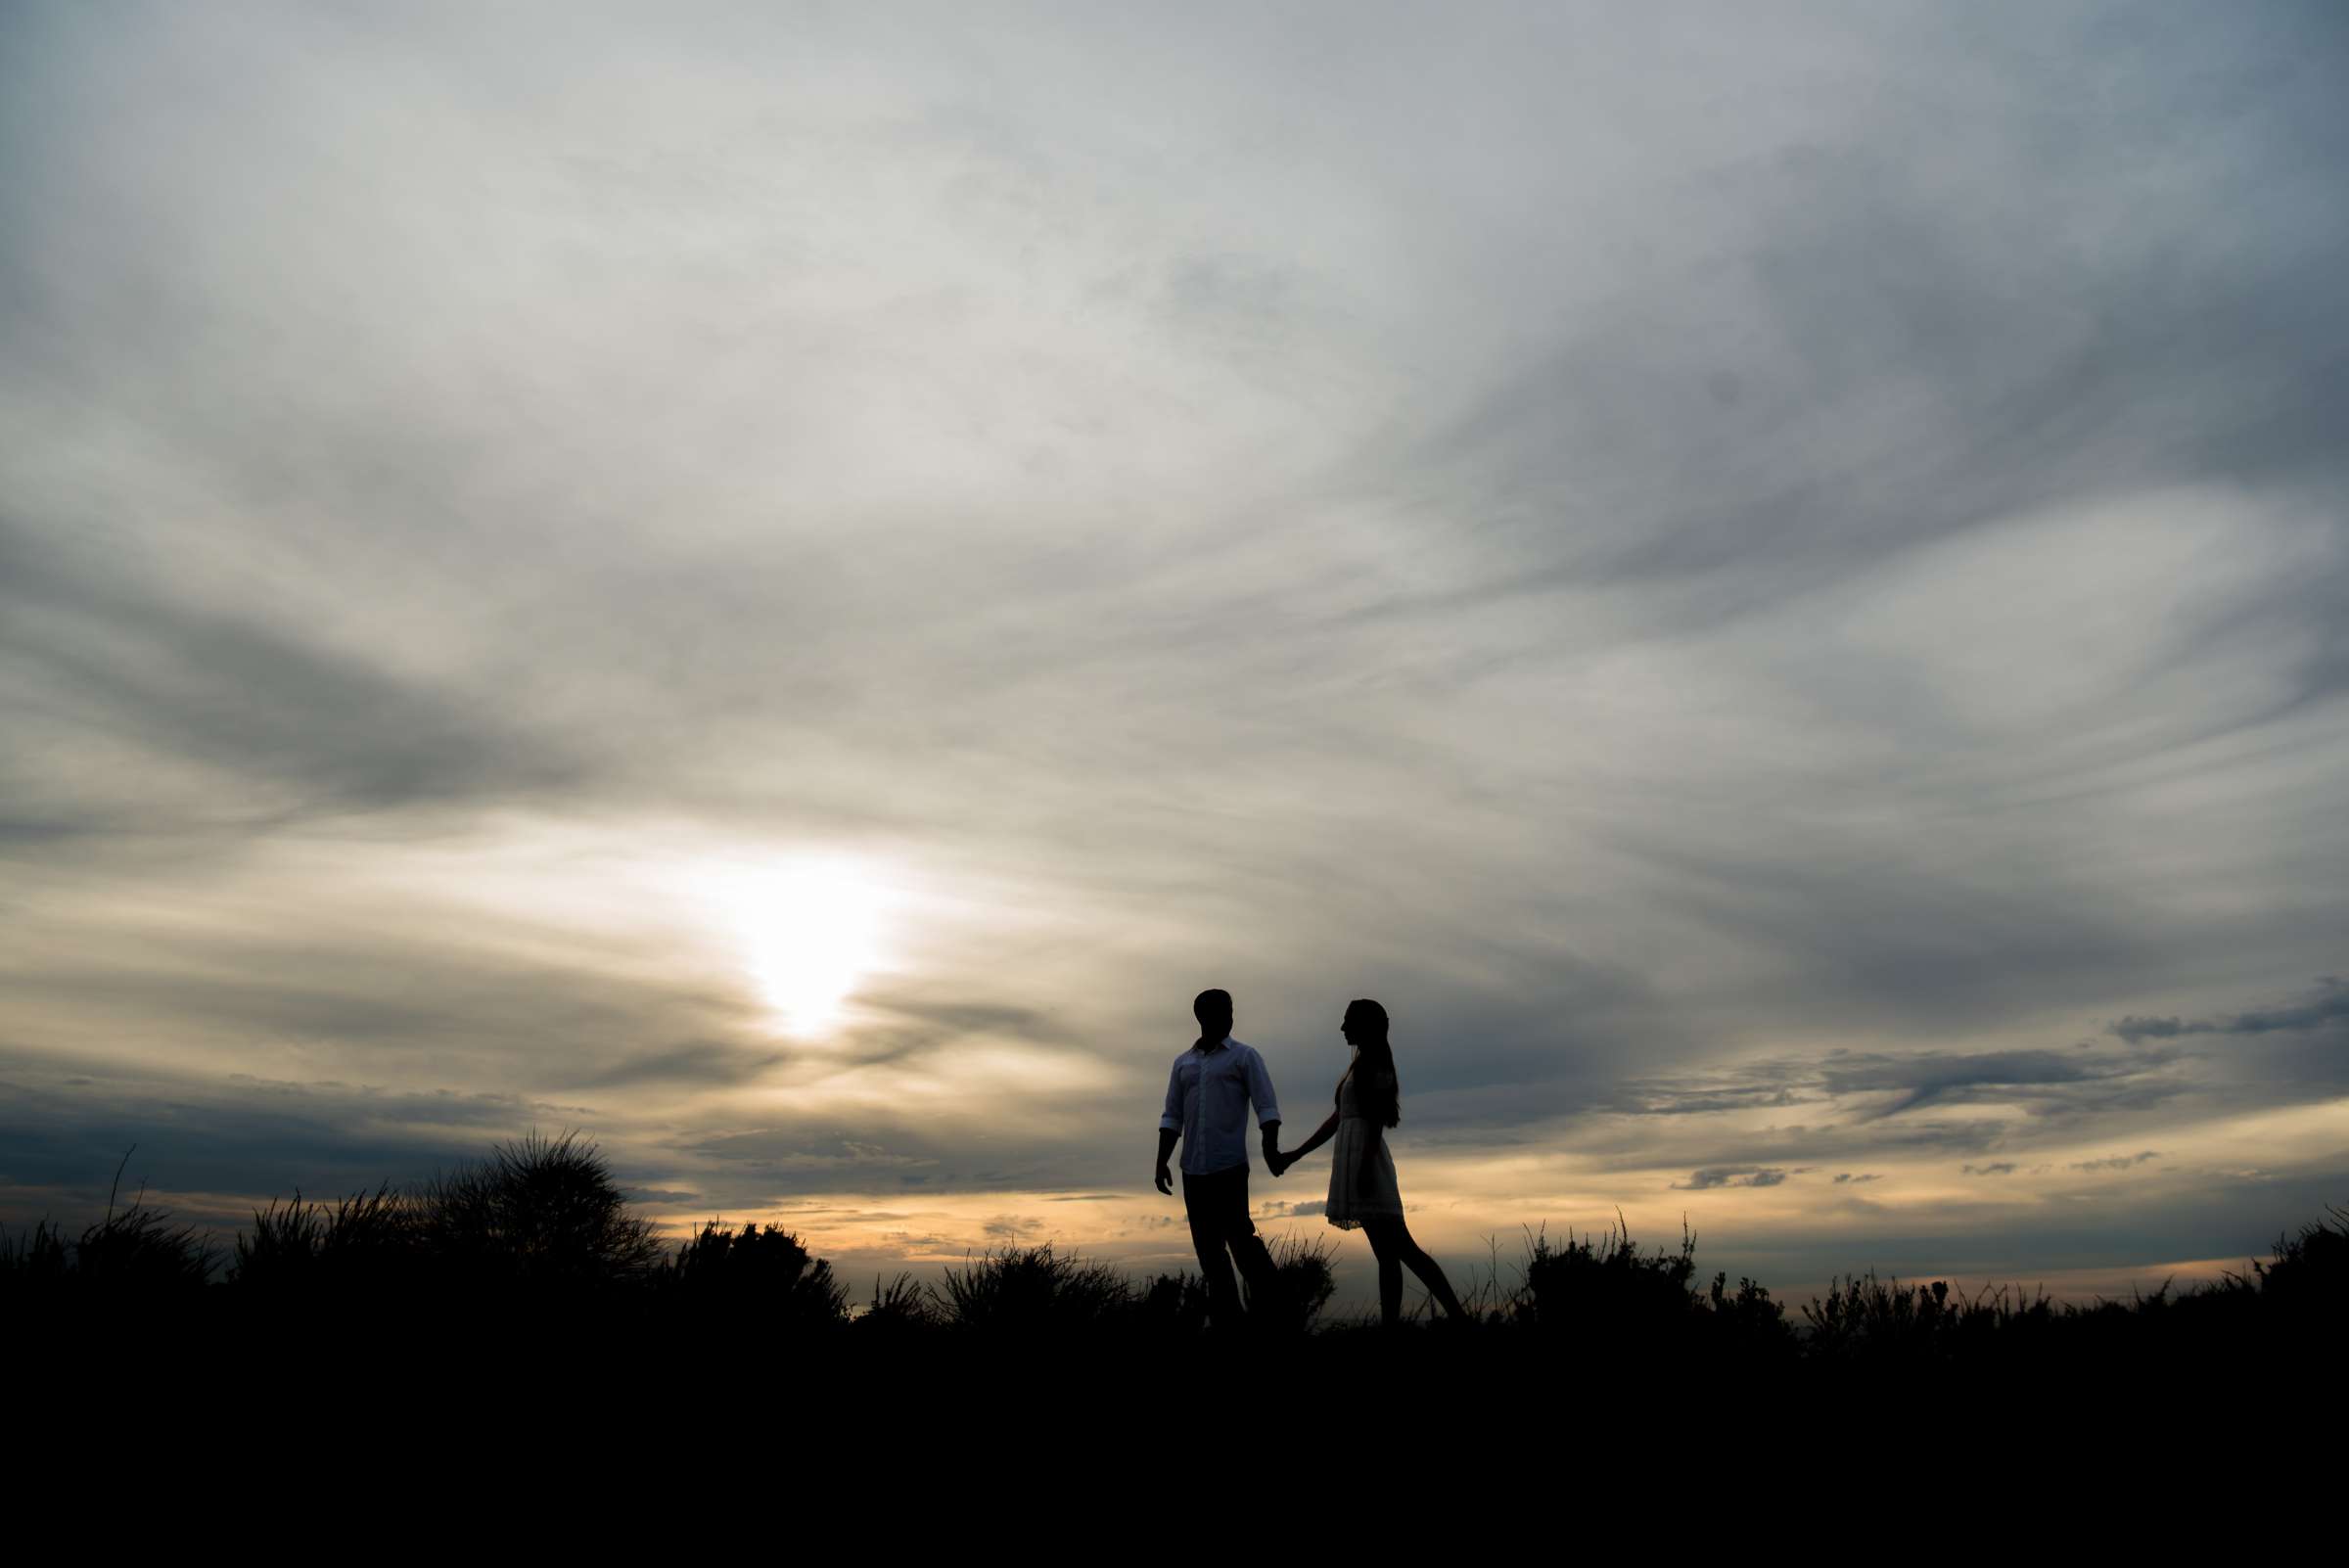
x=1267, y=1109
x=1170, y=1128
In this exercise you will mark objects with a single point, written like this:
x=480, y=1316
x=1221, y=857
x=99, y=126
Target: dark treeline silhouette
x=537, y=1244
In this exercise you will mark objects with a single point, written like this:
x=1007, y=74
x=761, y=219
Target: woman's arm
x=1321, y=1135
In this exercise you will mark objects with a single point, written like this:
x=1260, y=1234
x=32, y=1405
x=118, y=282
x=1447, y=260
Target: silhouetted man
x=1208, y=1095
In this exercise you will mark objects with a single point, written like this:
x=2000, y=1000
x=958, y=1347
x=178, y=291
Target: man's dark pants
x=1218, y=1207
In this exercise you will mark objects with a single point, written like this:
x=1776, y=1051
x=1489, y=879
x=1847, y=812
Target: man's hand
x=1278, y=1163
x=1166, y=1152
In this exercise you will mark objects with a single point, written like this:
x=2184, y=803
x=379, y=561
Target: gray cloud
x=1883, y=1085
x=1719, y=1177
x=2328, y=1008
x=2117, y=1162
x=2048, y=1080
x=289, y=725
x=695, y=1061
x=242, y=1138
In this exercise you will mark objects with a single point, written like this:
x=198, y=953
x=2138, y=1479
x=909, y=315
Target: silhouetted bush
x=1864, y=1319
x=538, y=1211
x=1032, y=1290
x=1748, y=1323
x=1644, y=1307
x=753, y=1273
x=1607, y=1288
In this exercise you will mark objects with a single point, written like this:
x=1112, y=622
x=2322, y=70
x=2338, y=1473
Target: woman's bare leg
x=1391, y=1241
x=1390, y=1271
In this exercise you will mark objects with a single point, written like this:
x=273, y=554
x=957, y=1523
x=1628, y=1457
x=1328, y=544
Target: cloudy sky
x=783, y=584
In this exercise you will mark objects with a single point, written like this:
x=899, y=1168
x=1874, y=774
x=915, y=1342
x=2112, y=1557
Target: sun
x=808, y=932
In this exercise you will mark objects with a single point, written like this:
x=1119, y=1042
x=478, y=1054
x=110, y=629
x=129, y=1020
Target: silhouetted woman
x=1362, y=1172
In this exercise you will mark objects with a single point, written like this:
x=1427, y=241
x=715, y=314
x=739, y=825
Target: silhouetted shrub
x=1748, y=1324
x=767, y=1275
x=1607, y=1287
x=1644, y=1307
x=1032, y=1290
x=538, y=1211
x=1866, y=1317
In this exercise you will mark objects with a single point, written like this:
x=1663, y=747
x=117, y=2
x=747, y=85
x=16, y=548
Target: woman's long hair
x=1380, y=1090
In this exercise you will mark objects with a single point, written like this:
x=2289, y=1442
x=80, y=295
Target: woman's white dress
x=1356, y=1193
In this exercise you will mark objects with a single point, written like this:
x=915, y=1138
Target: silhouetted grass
x=133, y=1254
x=898, y=1306
x=1032, y=1290
x=535, y=1248
x=2309, y=1275
x=368, y=1241
x=1041, y=1291
x=1308, y=1278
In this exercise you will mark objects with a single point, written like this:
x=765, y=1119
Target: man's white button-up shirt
x=1208, y=1095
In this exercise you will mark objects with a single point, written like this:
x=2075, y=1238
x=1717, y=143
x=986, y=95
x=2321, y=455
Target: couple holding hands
x=1207, y=1097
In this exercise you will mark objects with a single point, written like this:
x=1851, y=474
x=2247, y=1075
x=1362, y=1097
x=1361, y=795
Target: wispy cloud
x=1719, y=1177
x=2117, y=1162
x=2328, y=1008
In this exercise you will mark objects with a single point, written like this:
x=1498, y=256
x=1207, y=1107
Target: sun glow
x=808, y=932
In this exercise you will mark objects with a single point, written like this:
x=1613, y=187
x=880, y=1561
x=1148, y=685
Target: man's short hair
x=1211, y=1004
